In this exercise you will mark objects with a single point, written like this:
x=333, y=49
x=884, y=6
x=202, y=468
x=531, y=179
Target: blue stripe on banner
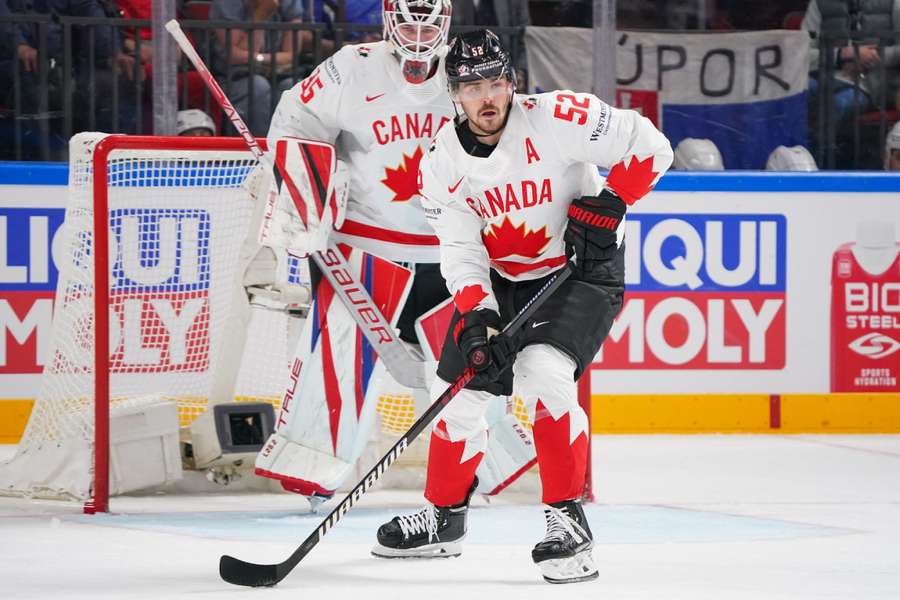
x=745, y=133
x=37, y=173
x=368, y=353
x=764, y=181
x=33, y=173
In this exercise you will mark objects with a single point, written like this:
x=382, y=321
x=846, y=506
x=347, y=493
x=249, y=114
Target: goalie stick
x=239, y=572
x=407, y=369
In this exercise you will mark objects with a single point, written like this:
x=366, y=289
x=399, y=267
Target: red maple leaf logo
x=404, y=180
x=632, y=182
x=468, y=298
x=507, y=239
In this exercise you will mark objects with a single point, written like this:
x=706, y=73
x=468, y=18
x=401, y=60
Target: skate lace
x=424, y=521
x=560, y=525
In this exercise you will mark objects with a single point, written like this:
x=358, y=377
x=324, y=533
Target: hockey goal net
x=147, y=309
x=150, y=275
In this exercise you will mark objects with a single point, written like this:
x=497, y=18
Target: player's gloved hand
x=591, y=230
x=474, y=333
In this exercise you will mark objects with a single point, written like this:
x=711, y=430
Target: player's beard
x=485, y=130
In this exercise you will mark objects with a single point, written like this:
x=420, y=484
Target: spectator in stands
x=858, y=70
x=357, y=12
x=92, y=73
x=137, y=9
x=9, y=38
x=734, y=15
x=795, y=158
x=271, y=52
x=892, y=149
x=693, y=154
x=499, y=13
x=194, y=122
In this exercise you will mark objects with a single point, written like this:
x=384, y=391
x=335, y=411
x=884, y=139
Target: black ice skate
x=564, y=555
x=433, y=532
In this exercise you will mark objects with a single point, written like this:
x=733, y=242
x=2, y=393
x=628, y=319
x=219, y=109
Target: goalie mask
x=417, y=31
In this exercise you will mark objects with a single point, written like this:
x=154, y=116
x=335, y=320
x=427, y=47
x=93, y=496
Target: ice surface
x=692, y=517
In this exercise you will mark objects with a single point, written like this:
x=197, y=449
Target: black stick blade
x=234, y=570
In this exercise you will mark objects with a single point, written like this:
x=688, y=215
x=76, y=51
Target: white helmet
x=417, y=30
x=795, y=158
x=692, y=154
x=891, y=142
x=194, y=118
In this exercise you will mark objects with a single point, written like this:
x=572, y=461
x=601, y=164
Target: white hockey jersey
x=380, y=124
x=509, y=210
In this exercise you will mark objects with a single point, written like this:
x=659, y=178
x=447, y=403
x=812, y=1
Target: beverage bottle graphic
x=865, y=311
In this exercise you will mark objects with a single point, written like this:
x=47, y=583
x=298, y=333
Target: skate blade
x=440, y=550
x=570, y=570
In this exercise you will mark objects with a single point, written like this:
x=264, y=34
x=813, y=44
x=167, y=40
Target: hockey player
x=379, y=104
x=512, y=189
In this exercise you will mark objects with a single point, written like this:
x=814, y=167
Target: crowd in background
x=109, y=68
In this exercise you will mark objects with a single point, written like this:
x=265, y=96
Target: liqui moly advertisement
x=704, y=291
x=31, y=218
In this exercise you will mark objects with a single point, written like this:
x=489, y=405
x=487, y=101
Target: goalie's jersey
x=509, y=210
x=380, y=125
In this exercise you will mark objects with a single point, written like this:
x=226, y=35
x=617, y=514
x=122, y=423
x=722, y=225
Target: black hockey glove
x=478, y=339
x=591, y=231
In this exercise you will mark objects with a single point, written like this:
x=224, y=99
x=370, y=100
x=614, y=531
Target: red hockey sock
x=451, y=469
x=562, y=462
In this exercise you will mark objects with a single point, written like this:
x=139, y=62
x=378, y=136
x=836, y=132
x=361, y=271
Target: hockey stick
x=403, y=366
x=236, y=571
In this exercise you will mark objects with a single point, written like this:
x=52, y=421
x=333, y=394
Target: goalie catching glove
x=592, y=230
x=309, y=198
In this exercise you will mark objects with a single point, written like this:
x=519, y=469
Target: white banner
x=744, y=91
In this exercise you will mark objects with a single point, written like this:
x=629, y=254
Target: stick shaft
x=174, y=28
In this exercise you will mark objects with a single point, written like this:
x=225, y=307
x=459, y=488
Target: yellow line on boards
x=678, y=413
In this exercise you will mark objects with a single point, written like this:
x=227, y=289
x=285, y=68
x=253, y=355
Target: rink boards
x=729, y=323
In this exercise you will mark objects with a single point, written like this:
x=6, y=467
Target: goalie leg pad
x=285, y=460
x=543, y=378
x=329, y=404
x=510, y=453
